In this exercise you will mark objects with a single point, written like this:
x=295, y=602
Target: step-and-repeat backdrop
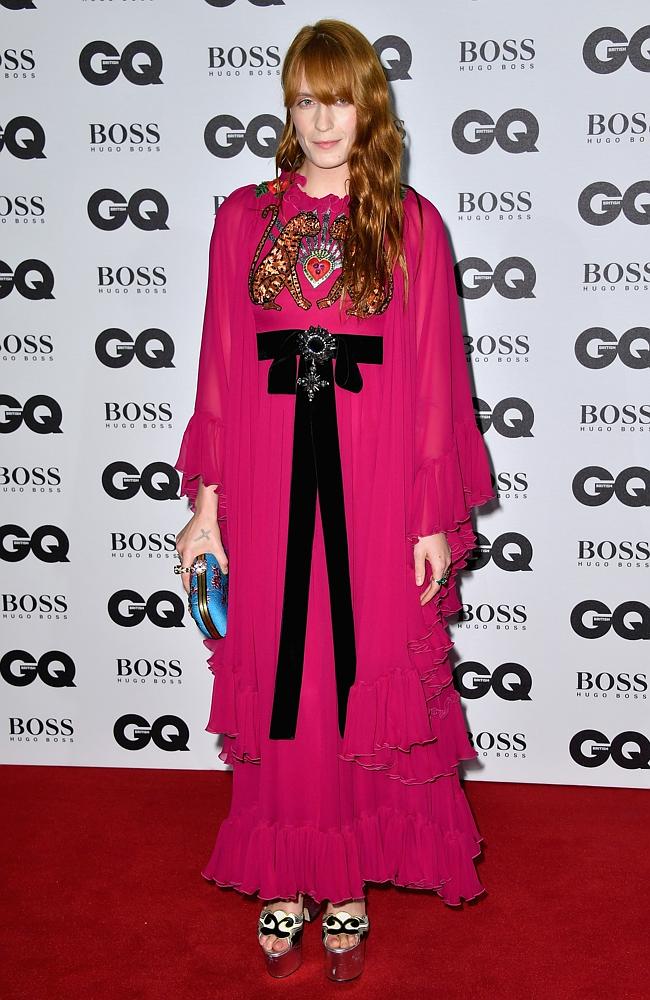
x=123, y=125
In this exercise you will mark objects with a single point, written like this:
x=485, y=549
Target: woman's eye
x=304, y=102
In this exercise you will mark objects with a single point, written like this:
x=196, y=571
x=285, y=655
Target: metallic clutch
x=208, y=597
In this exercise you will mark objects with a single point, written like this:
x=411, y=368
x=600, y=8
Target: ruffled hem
x=234, y=712
x=273, y=861
x=446, y=488
x=199, y=455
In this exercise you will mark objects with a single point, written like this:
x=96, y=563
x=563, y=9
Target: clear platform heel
x=285, y=925
x=342, y=964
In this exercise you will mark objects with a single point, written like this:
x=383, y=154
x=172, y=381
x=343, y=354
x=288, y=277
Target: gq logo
x=511, y=551
x=475, y=277
x=158, y=481
x=118, y=210
x=153, y=348
x=592, y=619
x=24, y=138
x=597, y=347
x=55, y=668
x=606, y=49
x=168, y=732
x=41, y=414
x=34, y=290
x=510, y=681
x=485, y=131
x=512, y=417
x=225, y=136
x=48, y=543
x=610, y=203
x=140, y=63
x=18, y=4
x=591, y=748
x=594, y=486
x=394, y=68
x=163, y=608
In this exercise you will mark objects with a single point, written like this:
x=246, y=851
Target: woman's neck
x=320, y=181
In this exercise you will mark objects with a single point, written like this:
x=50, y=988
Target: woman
x=333, y=452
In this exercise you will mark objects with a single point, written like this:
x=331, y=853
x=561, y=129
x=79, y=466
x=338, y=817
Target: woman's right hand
x=200, y=534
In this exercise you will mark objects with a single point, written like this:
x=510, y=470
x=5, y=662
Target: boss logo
x=512, y=417
x=22, y=207
x=597, y=347
x=604, y=683
x=26, y=605
x=593, y=619
x=610, y=415
x=504, y=346
x=139, y=671
x=488, y=203
x=55, y=668
x=607, y=49
x=629, y=750
x=36, y=477
x=606, y=550
x=225, y=136
x=595, y=485
x=502, y=616
x=512, y=278
x=48, y=543
x=137, y=542
x=163, y=608
x=131, y=413
x=168, y=732
x=509, y=681
x=617, y=125
x=108, y=210
x=41, y=414
x=153, y=348
x=158, y=481
x=502, y=743
x=29, y=730
x=32, y=279
x=614, y=273
x=515, y=131
x=29, y=345
x=601, y=203
x=139, y=62
x=491, y=51
x=237, y=57
x=395, y=56
x=120, y=280
x=118, y=134
x=12, y=61
x=24, y=138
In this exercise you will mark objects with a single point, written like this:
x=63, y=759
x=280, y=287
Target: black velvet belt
x=316, y=469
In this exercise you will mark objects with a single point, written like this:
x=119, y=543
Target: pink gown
x=320, y=812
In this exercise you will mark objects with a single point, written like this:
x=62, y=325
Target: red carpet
x=103, y=898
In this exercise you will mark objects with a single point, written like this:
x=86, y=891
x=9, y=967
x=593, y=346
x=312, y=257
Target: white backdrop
x=530, y=133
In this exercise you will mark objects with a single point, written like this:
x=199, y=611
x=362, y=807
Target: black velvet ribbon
x=315, y=471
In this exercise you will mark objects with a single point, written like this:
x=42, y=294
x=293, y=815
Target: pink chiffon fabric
x=323, y=814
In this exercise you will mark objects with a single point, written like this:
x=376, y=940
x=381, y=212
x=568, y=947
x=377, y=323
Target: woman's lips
x=326, y=145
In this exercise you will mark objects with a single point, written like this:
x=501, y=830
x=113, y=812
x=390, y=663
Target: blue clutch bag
x=208, y=598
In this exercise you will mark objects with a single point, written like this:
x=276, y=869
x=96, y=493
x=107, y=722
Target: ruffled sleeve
x=452, y=473
x=201, y=455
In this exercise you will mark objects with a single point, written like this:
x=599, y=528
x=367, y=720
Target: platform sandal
x=285, y=925
x=342, y=964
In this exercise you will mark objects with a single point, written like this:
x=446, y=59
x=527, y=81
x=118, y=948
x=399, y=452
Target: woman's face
x=325, y=131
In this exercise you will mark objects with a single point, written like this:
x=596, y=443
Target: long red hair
x=338, y=61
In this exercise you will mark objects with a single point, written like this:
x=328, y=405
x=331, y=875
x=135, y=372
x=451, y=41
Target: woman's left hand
x=437, y=551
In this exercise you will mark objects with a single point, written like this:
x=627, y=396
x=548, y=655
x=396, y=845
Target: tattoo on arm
x=204, y=534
